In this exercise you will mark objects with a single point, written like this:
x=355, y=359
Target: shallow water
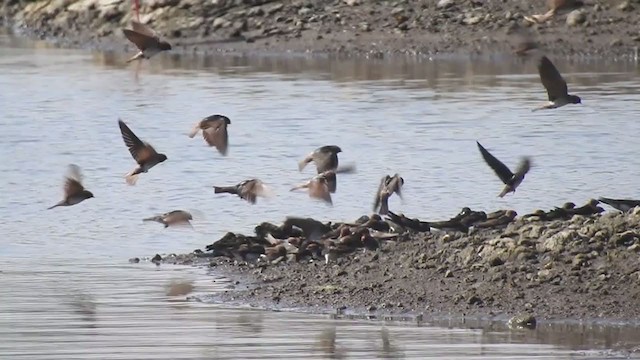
x=69, y=292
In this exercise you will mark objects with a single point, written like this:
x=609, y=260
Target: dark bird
x=311, y=228
x=74, y=192
x=557, y=90
x=503, y=219
x=623, y=205
x=175, y=217
x=511, y=180
x=555, y=7
x=248, y=190
x=325, y=157
x=414, y=224
x=590, y=208
x=146, y=40
x=214, y=131
x=142, y=152
x=388, y=186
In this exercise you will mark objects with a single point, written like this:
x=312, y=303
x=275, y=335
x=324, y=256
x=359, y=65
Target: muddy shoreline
x=347, y=27
x=574, y=268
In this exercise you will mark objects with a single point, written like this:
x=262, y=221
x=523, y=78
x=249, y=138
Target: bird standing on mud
x=555, y=85
x=248, y=190
x=214, y=131
x=555, y=8
x=325, y=157
x=388, y=186
x=511, y=180
x=146, y=40
x=142, y=152
x=74, y=192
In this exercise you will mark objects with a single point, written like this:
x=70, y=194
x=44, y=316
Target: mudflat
x=373, y=28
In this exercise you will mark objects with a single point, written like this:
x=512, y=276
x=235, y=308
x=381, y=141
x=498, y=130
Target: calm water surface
x=68, y=291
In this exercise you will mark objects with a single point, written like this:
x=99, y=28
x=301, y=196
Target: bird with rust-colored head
x=214, y=132
x=142, y=152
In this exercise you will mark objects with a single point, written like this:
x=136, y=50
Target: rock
x=352, y=2
x=557, y=242
x=154, y=4
x=576, y=17
x=625, y=6
x=134, y=260
x=474, y=300
x=522, y=321
x=220, y=23
x=496, y=261
x=472, y=20
x=304, y=11
x=444, y=4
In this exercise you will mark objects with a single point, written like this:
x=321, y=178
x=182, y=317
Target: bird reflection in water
x=327, y=344
x=85, y=306
x=388, y=350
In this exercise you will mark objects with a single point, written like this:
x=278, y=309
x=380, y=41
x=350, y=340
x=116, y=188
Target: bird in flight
x=142, y=152
x=388, y=186
x=74, y=192
x=511, y=180
x=248, y=190
x=146, y=40
x=555, y=85
x=214, y=131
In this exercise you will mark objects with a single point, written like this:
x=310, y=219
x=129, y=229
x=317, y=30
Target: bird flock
x=214, y=130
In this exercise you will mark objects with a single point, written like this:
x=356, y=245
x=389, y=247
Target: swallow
x=248, y=190
x=146, y=40
x=503, y=219
x=311, y=228
x=142, y=152
x=388, y=186
x=175, y=217
x=511, y=180
x=214, y=131
x=620, y=204
x=555, y=7
x=74, y=192
x=325, y=158
x=590, y=208
x=555, y=85
x=319, y=186
x=414, y=224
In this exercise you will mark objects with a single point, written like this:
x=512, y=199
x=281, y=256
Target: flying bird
x=248, y=190
x=146, y=40
x=511, y=180
x=555, y=85
x=142, y=152
x=175, y=217
x=623, y=205
x=74, y=192
x=555, y=7
x=214, y=131
x=319, y=186
x=325, y=158
x=388, y=186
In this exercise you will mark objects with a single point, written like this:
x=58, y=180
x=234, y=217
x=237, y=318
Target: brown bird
x=142, y=152
x=555, y=7
x=503, y=219
x=146, y=40
x=320, y=186
x=175, y=217
x=248, y=190
x=555, y=85
x=325, y=157
x=74, y=192
x=511, y=180
x=523, y=42
x=214, y=131
x=388, y=186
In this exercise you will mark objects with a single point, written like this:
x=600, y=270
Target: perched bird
x=325, y=157
x=590, y=208
x=214, y=131
x=142, y=152
x=319, y=186
x=511, y=180
x=388, y=186
x=146, y=40
x=555, y=7
x=557, y=90
x=503, y=219
x=620, y=204
x=175, y=217
x=248, y=190
x=74, y=192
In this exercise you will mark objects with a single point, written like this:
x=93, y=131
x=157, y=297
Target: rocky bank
x=553, y=267
x=600, y=27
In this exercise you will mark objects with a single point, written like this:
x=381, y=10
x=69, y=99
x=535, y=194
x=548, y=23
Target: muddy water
x=68, y=291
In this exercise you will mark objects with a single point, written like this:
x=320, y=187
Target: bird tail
x=195, y=130
x=131, y=178
x=153, y=218
x=507, y=189
x=384, y=206
x=56, y=205
x=137, y=56
x=301, y=186
x=225, y=189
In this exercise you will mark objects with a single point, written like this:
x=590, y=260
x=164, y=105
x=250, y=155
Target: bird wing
x=498, y=167
x=73, y=181
x=176, y=216
x=140, y=151
x=395, y=184
x=383, y=184
x=551, y=79
x=216, y=135
x=141, y=41
x=325, y=161
x=143, y=29
x=319, y=189
x=523, y=167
